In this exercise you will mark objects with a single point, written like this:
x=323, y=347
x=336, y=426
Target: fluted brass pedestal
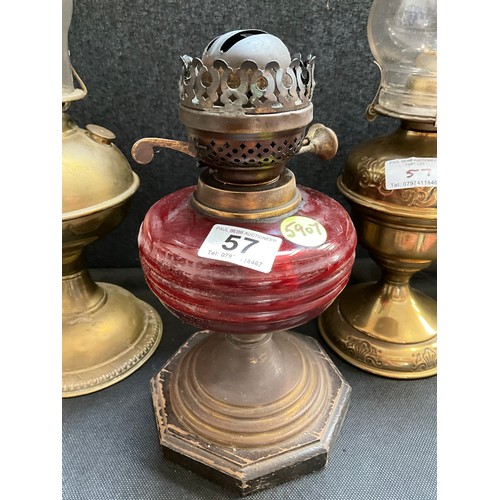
x=249, y=411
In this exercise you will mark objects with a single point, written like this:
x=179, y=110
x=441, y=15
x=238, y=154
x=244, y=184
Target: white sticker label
x=241, y=247
x=410, y=172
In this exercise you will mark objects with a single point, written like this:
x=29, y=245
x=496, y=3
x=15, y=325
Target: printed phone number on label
x=232, y=257
x=403, y=184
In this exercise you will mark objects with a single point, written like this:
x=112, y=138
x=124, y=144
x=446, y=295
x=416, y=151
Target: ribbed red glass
x=228, y=298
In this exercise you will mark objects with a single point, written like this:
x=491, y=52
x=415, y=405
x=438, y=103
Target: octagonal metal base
x=247, y=446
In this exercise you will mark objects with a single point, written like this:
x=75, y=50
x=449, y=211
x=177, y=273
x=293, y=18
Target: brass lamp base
x=108, y=341
x=384, y=329
x=249, y=411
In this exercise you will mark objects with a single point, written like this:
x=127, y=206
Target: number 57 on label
x=241, y=247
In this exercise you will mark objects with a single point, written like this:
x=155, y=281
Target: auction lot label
x=410, y=172
x=241, y=247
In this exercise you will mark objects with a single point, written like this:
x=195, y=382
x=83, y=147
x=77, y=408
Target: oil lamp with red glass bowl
x=246, y=255
x=388, y=327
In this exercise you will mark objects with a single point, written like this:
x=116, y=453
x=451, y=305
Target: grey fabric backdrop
x=128, y=54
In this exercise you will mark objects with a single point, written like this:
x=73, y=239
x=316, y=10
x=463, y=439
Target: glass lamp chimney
x=403, y=39
x=69, y=92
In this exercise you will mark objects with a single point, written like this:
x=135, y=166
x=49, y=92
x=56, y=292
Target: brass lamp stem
x=249, y=341
x=79, y=291
x=397, y=277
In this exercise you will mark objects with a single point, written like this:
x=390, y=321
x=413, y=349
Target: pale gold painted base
x=390, y=336
x=105, y=344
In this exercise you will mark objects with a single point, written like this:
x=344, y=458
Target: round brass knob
x=100, y=134
x=320, y=140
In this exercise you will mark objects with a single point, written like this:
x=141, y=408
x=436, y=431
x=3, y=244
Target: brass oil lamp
x=246, y=255
x=107, y=333
x=389, y=328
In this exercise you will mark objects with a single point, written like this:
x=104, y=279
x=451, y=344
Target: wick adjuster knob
x=320, y=140
x=100, y=134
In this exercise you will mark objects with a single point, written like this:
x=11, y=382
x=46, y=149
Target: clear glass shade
x=403, y=39
x=69, y=92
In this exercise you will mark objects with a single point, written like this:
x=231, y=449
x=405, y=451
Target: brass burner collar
x=418, y=126
x=255, y=202
x=376, y=109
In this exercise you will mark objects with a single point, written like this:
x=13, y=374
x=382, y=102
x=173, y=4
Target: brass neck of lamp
x=419, y=126
x=273, y=198
x=80, y=293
